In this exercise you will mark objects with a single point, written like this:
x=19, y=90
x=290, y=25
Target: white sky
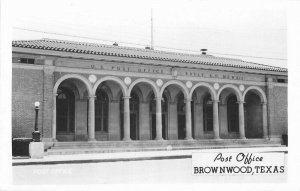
x=253, y=28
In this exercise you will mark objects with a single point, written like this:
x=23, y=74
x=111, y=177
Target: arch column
x=241, y=120
x=158, y=119
x=91, y=120
x=265, y=120
x=54, y=119
x=126, y=119
x=188, y=120
x=216, y=119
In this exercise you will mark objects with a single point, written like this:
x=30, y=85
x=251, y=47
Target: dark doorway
x=101, y=111
x=232, y=114
x=253, y=116
x=207, y=113
x=181, y=116
x=65, y=112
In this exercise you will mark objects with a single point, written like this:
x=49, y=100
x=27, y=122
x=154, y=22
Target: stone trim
x=139, y=61
x=146, y=75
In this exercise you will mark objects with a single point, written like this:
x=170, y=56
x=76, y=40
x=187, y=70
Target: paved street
x=147, y=171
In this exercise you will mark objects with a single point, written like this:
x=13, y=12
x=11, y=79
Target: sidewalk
x=131, y=156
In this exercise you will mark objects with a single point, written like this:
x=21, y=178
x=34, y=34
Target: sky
x=254, y=29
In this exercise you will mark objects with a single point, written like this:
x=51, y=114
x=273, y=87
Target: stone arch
x=181, y=85
x=258, y=91
x=203, y=84
x=255, y=115
x=224, y=97
x=236, y=91
x=72, y=87
x=147, y=81
x=74, y=76
x=110, y=78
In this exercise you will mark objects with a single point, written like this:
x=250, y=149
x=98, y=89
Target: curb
x=99, y=160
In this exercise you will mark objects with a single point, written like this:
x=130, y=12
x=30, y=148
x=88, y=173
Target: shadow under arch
x=110, y=78
x=147, y=81
x=208, y=86
x=235, y=90
x=258, y=91
x=181, y=85
x=73, y=76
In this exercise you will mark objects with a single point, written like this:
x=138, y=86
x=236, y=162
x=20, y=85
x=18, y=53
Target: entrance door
x=153, y=126
x=133, y=127
x=253, y=116
x=164, y=126
x=181, y=116
x=181, y=126
x=65, y=114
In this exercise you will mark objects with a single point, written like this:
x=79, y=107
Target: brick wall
x=27, y=87
x=280, y=111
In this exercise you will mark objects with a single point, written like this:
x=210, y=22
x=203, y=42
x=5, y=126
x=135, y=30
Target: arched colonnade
x=249, y=104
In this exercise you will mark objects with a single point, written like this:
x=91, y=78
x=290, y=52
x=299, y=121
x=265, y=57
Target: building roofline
x=85, y=48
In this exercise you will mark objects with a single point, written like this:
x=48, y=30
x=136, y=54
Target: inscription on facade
x=211, y=75
x=130, y=69
x=165, y=70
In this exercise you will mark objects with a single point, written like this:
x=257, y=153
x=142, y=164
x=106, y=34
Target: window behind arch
x=180, y=103
x=101, y=111
x=134, y=103
x=207, y=113
x=65, y=110
x=232, y=114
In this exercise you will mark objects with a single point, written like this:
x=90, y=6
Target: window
x=27, y=60
x=232, y=114
x=280, y=80
x=181, y=116
x=208, y=113
x=101, y=111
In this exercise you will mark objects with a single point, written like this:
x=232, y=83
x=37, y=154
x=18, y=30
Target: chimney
x=203, y=51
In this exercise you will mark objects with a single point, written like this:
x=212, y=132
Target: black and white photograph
x=98, y=93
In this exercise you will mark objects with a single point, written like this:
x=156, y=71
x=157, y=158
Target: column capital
x=263, y=103
x=188, y=100
x=92, y=96
x=158, y=98
x=240, y=102
x=126, y=97
x=215, y=100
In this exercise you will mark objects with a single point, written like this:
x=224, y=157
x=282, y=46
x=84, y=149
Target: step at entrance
x=66, y=148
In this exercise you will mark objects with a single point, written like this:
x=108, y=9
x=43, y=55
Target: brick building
x=93, y=92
